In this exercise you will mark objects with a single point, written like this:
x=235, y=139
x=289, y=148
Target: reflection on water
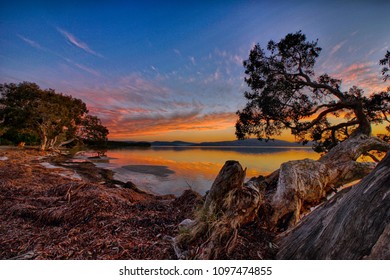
x=193, y=167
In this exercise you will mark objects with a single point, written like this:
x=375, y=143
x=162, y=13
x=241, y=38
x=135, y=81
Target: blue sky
x=172, y=70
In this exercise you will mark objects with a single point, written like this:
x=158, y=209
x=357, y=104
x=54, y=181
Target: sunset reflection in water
x=196, y=167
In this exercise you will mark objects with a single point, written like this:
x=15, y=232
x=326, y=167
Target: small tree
x=92, y=130
x=54, y=117
x=285, y=93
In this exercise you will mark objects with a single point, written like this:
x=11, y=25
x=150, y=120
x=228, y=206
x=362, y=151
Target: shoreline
x=45, y=215
x=82, y=219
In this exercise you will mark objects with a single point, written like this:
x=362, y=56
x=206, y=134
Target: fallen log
x=305, y=183
x=354, y=224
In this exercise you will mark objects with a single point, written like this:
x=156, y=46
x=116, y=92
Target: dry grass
x=47, y=216
x=44, y=215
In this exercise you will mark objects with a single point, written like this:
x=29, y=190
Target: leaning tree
x=285, y=93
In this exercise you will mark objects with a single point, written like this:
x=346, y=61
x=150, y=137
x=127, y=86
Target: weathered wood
x=228, y=205
x=231, y=176
x=354, y=224
x=279, y=200
x=305, y=183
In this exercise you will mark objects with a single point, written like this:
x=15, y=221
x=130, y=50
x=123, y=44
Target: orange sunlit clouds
x=150, y=127
x=175, y=72
x=140, y=108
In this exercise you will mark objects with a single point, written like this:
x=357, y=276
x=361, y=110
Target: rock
x=186, y=224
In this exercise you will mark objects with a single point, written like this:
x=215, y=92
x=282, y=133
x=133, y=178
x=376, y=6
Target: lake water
x=171, y=170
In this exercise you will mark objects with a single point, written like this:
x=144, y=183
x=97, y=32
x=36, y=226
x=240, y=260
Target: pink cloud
x=78, y=43
x=364, y=75
x=337, y=47
x=133, y=106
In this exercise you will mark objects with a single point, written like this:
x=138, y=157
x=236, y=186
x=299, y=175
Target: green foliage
x=92, y=130
x=285, y=93
x=28, y=112
x=15, y=136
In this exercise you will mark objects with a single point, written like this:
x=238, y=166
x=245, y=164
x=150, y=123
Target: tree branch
x=341, y=125
x=310, y=83
x=321, y=116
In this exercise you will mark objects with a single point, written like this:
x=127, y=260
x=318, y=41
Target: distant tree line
x=46, y=118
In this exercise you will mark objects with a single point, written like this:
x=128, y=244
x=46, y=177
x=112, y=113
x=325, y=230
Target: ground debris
x=44, y=215
x=47, y=216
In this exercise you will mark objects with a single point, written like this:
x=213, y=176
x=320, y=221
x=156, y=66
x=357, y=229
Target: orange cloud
x=122, y=128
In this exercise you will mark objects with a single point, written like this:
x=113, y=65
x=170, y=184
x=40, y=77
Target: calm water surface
x=171, y=170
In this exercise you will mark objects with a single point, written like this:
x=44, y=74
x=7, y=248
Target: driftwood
x=229, y=204
x=305, y=183
x=354, y=224
x=279, y=200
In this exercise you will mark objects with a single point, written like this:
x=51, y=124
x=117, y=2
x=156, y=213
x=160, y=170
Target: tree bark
x=279, y=199
x=306, y=183
x=43, y=142
x=354, y=224
x=228, y=205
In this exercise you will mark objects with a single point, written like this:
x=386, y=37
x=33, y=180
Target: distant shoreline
x=247, y=143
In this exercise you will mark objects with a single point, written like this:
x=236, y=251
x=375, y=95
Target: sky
x=172, y=70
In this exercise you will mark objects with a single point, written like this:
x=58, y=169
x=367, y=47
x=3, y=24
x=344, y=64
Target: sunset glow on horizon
x=173, y=71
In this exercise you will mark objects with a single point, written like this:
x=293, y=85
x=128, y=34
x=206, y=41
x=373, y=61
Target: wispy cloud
x=30, y=42
x=192, y=59
x=87, y=69
x=77, y=42
x=82, y=67
x=337, y=47
x=73, y=63
x=134, y=106
x=229, y=57
x=364, y=75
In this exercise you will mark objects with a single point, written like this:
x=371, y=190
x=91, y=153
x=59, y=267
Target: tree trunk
x=66, y=142
x=43, y=142
x=354, y=224
x=279, y=200
x=306, y=183
x=228, y=205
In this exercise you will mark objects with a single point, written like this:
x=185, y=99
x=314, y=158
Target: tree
x=55, y=118
x=386, y=65
x=93, y=131
x=285, y=93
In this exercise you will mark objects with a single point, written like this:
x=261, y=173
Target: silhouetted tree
x=386, y=65
x=285, y=93
x=55, y=118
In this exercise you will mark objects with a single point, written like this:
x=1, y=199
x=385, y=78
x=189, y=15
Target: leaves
x=51, y=116
x=285, y=94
